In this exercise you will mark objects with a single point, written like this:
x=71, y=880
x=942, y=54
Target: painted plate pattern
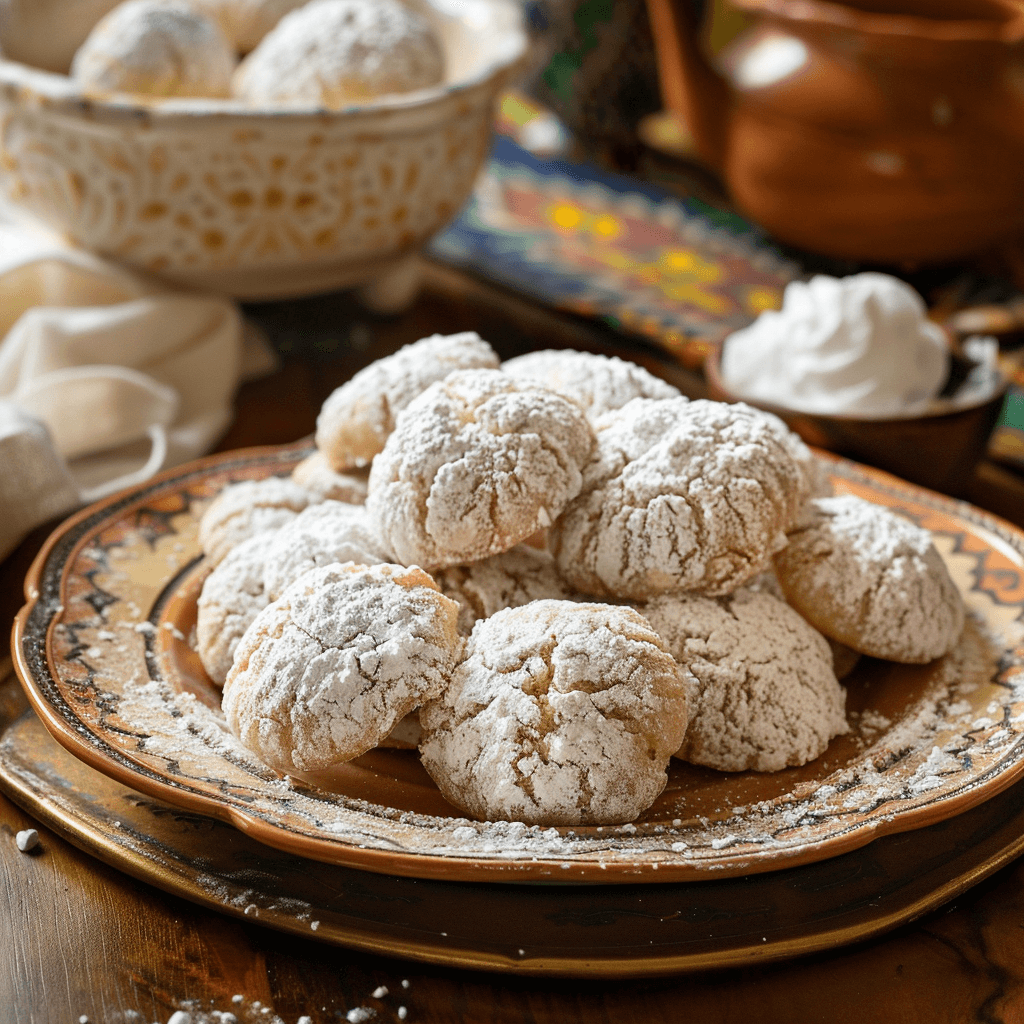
x=103, y=650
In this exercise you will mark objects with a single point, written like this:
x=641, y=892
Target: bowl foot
x=395, y=290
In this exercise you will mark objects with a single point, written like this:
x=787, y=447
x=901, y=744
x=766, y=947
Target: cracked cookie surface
x=249, y=507
x=357, y=418
x=508, y=580
x=679, y=496
x=328, y=670
x=871, y=580
x=765, y=694
x=597, y=384
x=476, y=464
x=559, y=714
x=331, y=531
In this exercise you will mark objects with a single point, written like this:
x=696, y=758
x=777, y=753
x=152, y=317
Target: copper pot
x=880, y=130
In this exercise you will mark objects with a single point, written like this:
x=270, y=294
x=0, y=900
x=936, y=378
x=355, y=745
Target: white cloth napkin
x=106, y=377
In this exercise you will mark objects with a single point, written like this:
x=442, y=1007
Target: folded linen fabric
x=106, y=377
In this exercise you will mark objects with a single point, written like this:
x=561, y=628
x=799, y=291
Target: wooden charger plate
x=102, y=649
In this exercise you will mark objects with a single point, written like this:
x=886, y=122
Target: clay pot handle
x=690, y=88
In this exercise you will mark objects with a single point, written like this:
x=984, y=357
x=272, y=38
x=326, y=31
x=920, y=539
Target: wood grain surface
x=81, y=940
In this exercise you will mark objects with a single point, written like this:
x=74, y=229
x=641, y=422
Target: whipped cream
x=859, y=345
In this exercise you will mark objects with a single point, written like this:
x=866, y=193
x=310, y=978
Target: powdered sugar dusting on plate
x=119, y=686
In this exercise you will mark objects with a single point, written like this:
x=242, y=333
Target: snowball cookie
x=329, y=669
x=155, y=48
x=244, y=509
x=475, y=465
x=332, y=531
x=871, y=580
x=817, y=479
x=332, y=53
x=232, y=596
x=316, y=474
x=559, y=714
x=766, y=695
x=358, y=417
x=678, y=496
x=508, y=580
x=246, y=22
x=597, y=384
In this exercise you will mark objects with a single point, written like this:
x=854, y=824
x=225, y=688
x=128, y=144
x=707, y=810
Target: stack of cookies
x=551, y=576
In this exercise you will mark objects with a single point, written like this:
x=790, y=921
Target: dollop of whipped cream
x=859, y=345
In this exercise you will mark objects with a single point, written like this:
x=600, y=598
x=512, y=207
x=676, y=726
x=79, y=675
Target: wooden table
x=80, y=940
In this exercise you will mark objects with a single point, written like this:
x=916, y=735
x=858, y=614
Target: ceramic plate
x=102, y=648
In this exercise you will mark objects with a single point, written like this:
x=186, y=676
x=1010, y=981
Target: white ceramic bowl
x=261, y=203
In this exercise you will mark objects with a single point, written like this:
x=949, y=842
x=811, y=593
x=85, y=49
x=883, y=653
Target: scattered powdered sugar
x=357, y=418
x=597, y=384
x=872, y=580
x=765, y=694
x=476, y=464
x=324, y=673
x=243, y=1011
x=560, y=713
x=678, y=496
x=332, y=53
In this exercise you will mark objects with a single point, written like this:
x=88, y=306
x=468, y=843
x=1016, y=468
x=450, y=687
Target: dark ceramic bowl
x=939, y=450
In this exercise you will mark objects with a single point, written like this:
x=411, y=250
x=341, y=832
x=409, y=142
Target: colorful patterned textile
x=628, y=253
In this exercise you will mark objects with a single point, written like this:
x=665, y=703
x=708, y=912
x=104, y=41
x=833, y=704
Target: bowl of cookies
x=533, y=620
x=260, y=149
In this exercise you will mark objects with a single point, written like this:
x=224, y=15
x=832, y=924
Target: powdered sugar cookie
x=679, y=496
x=559, y=714
x=332, y=531
x=597, y=384
x=246, y=22
x=476, y=464
x=316, y=474
x=232, y=596
x=766, y=696
x=244, y=509
x=871, y=580
x=817, y=480
x=508, y=580
x=329, y=669
x=358, y=417
x=332, y=53
x=155, y=48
